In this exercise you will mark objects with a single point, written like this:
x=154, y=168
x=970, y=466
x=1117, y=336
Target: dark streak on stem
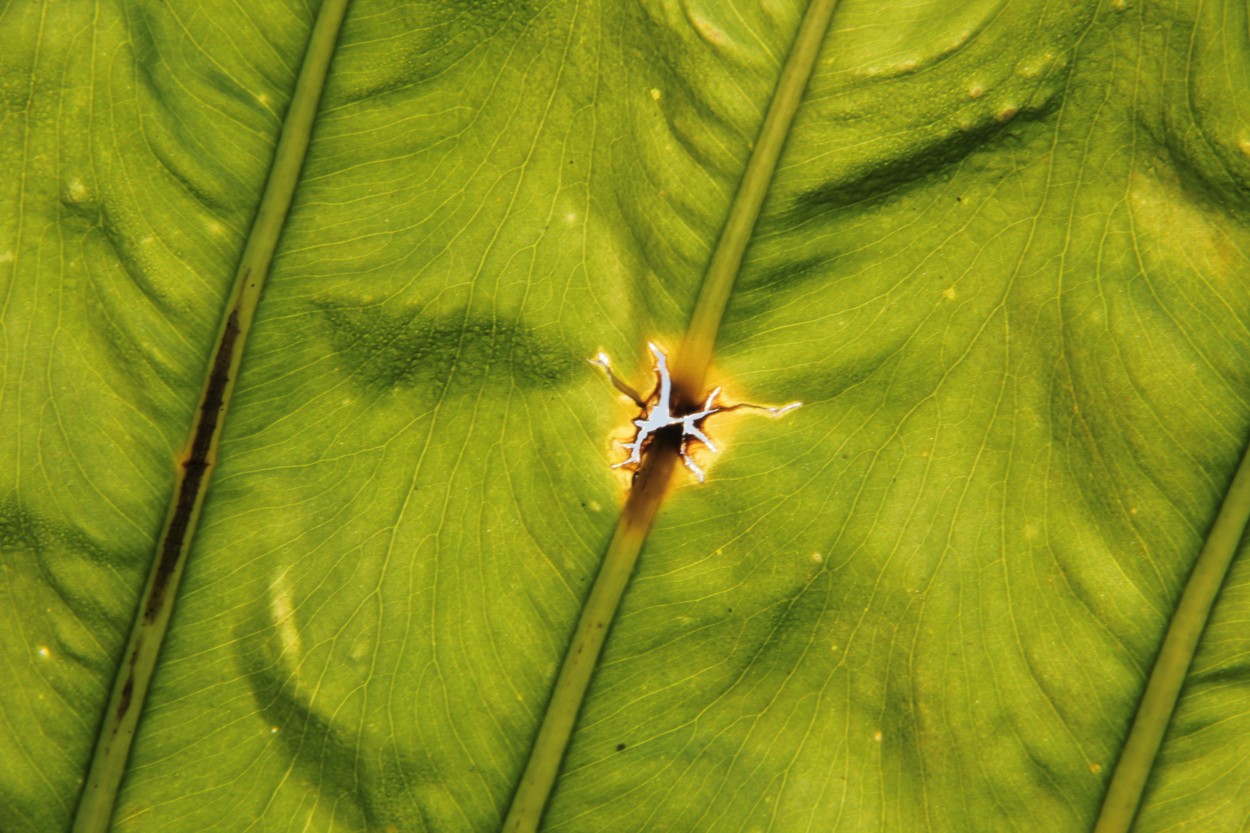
x=125, y=704
x=195, y=470
x=195, y=466
x=155, y=608
x=128, y=691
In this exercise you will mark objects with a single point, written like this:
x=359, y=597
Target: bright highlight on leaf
x=658, y=413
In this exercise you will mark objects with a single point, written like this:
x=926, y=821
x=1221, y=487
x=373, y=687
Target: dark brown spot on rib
x=123, y=704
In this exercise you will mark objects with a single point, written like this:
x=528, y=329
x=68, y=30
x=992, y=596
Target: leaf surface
x=1001, y=263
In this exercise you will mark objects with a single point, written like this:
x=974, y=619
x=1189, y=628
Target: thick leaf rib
x=131, y=157
x=1171, y=667
x=156, y=604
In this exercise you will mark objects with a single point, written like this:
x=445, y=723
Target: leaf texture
x=1002, y=264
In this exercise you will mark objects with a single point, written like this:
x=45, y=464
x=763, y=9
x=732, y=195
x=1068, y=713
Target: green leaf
x=1001, y=262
